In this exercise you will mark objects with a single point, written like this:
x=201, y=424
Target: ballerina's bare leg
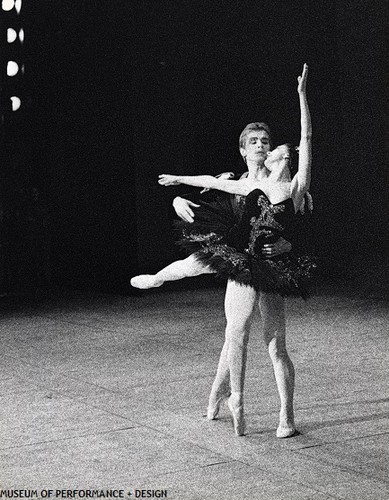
x=177, y=270
x=272, y=308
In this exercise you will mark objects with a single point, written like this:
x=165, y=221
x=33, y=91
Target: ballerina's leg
x=177, y=270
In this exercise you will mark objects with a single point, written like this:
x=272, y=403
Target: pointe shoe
x=145, y=281
x=213, y=410
x=237, y=418
x=286, y=430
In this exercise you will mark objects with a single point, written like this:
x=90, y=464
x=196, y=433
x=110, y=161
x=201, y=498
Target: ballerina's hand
x=302, y=80
x=168, y=180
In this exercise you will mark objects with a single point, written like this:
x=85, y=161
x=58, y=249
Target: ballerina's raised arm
x=302, y=179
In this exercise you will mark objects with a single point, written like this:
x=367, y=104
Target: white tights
x=185, y=268
x=177, y=270
x=240, y=302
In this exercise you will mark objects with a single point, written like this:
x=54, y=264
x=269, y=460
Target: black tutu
x=228, y=238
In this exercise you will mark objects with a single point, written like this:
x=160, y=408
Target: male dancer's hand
x=183, y=208
x=279, y=247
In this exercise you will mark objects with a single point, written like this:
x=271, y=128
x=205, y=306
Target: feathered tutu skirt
x=219, y=240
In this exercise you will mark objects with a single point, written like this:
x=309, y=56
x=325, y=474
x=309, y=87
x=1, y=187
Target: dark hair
x=293, y=160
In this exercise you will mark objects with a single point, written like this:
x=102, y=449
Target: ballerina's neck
x=280, y=175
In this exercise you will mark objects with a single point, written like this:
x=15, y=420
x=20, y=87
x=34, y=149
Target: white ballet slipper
x=237, y=414
x=145, y=281
x=215, y=400
x=286, y=430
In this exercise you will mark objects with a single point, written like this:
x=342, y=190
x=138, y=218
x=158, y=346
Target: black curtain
x=122, y=91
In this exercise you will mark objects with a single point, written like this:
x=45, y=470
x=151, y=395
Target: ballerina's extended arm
x=301, y=181
x=240, y=186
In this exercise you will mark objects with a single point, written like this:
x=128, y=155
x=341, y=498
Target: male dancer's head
x=254, y=145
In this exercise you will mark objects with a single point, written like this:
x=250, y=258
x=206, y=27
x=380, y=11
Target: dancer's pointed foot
x=286, y=429
x=214, y=404
x=235, y=405
x=146, y=281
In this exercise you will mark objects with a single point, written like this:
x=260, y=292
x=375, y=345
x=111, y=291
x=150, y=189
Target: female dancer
x=271, y=202
x=211, y=209
x=219, y=230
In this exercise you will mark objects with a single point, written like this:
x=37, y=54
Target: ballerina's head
x=282, y=158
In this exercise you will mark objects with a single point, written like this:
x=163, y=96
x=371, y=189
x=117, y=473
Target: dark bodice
x=262, y=222
x=228, y=236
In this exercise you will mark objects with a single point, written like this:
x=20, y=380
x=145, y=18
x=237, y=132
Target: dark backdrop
x=122, y=91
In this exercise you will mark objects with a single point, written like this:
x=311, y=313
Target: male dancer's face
x=257, y=147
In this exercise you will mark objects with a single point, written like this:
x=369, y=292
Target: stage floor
x=105, y=392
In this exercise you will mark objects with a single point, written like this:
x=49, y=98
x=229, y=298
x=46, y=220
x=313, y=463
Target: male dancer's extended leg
x=239, y=305
x=177, y=270
x=272, y=308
